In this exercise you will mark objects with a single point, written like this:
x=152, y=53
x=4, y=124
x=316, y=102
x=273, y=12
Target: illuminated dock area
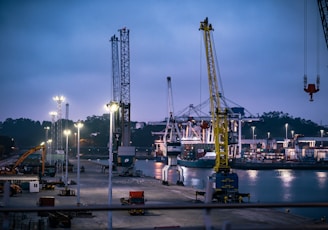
x=170, y=207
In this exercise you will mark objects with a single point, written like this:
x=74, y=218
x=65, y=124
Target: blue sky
x=50, y=48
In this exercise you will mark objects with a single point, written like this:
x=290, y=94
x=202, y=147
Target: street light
x=78, y=125
x=49, y=143
x=253, y=128
x=321, y=132
x=286, y=141
x=112, y=107
x=286, y=126
x=67, y=132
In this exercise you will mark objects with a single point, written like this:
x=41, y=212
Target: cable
x=305, y=44
x=318, y=54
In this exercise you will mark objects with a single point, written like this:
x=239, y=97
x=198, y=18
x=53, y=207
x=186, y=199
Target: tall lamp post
x=112, y=107
x=67, y=132
x=78, y=125
x=321, y=132
x=253, y=129
x=292, y=132
x=286, y=140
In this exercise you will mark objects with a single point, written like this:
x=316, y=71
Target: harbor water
x=264, y=186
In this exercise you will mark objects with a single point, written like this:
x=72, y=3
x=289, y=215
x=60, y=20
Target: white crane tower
x=172, y=140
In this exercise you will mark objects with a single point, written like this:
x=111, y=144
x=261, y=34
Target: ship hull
x=200, y=163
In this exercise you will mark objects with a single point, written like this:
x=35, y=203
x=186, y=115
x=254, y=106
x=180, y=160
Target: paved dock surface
x=94, y=191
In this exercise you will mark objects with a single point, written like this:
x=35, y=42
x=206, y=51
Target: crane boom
x=29, y=152
x=172, y=133
x=323, y=10
x=219, y=116
x=125, y=87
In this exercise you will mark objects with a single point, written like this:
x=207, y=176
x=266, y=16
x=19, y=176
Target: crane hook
x=311, y=88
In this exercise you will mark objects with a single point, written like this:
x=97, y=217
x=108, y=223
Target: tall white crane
x=172, y=132
x=172, y=139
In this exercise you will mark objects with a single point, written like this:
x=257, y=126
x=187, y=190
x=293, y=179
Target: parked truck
x=137, y=199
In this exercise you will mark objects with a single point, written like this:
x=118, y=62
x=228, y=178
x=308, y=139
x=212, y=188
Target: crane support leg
x=165, y=172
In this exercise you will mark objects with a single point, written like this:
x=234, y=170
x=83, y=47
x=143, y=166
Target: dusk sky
x=50, y=48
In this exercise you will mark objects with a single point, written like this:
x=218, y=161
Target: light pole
x=47, y=130
x=286, y=126
x=78, y=125
x=321, y=132
x=53, y=115
x=286, y=140
x=49, y=143
x=113, y=107
x=268, y=140
x=253, y=129
x=67, y=132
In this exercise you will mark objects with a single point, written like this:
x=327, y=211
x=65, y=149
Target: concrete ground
x=94, y=191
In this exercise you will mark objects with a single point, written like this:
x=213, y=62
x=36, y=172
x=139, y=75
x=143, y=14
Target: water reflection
x=286, y=176
x=252, y=174
x=263, y=185
x=322, y=178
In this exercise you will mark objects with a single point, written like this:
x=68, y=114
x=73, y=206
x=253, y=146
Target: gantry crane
x=172, y=140
x=226, y=182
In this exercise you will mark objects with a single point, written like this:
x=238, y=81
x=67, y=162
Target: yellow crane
x=219, y=116
x=25, y=155
x=226, y=182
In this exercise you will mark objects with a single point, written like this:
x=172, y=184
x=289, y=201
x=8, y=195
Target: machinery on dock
x=136, y=198
x=226, y=182
x=56, y=218
x=24, y=156
x=13, y=189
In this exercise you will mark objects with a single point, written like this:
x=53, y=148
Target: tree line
x=25, y=133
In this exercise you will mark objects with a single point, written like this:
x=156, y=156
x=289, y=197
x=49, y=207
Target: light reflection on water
x=265, y=186
x=252, y=174
x=286, y=176
x=322, y=179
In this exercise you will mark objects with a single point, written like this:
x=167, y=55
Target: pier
x=168, y=207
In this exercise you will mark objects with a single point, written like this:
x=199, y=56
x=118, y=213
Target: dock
x=94, y=193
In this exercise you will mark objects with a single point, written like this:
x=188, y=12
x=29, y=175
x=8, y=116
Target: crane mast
x=116, y=89
x=172, y=133
x=125, y=87
x=226, y=181
x=115, y=69
x=172, y=140
x=219, y=116
x=323, y=10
